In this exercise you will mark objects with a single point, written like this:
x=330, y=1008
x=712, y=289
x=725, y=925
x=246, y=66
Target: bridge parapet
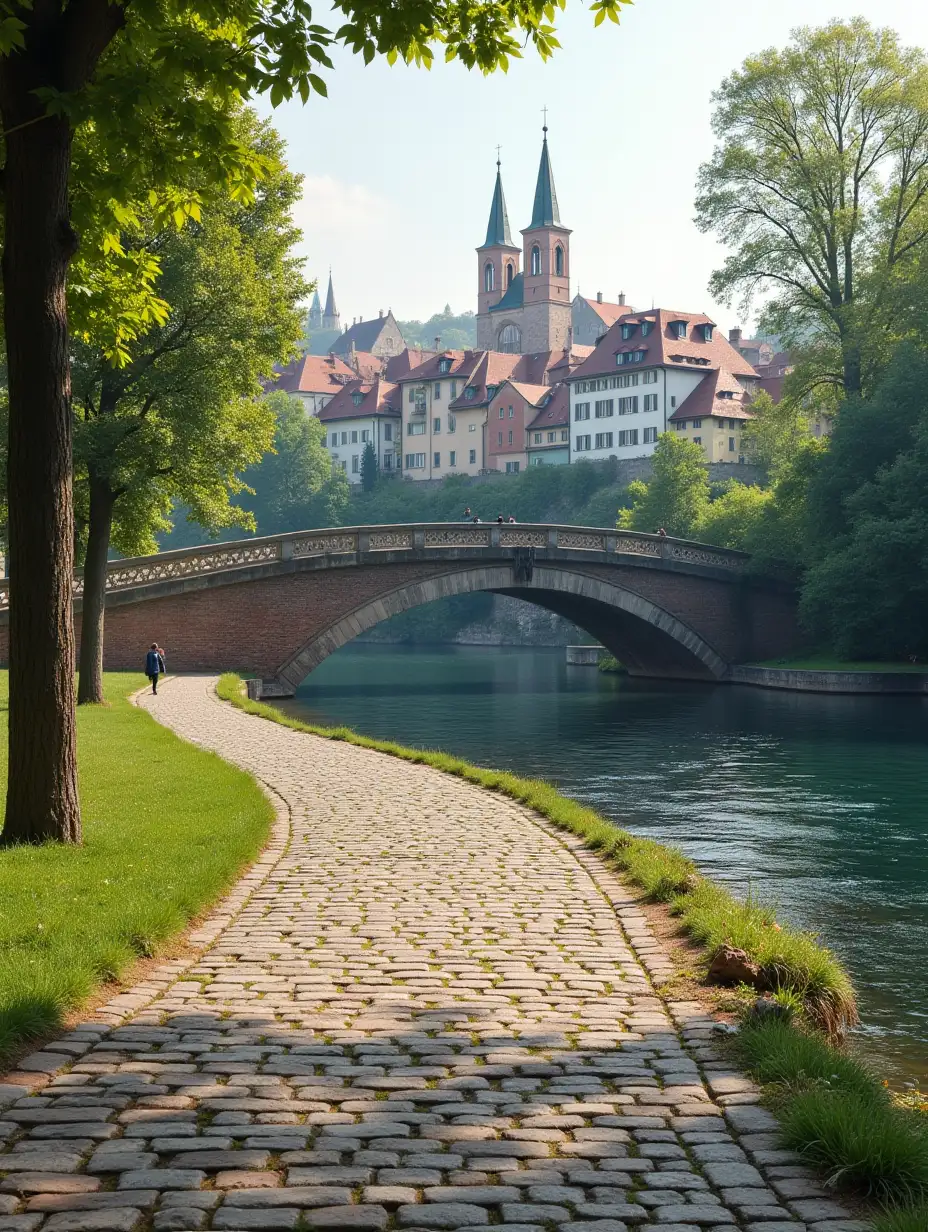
x=370, y=542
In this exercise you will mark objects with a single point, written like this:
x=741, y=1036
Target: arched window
x=510, y=339
x=559, y=261
x=536, y=260
x=509, y=273
x=489, y=276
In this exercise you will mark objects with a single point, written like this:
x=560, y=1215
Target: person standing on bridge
x=154, y=665
x=467, y=514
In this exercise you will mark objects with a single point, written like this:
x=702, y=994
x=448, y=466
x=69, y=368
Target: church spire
x=330, y=309
x=544, y=210
x=498, y=226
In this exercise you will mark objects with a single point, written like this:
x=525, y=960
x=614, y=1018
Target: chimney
x=599, y=297
x=331, y=357
x=380, y=313
x=734, y=336
x=438, y=342
x=621, y=299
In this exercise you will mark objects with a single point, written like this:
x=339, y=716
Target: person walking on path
x=154, y=665
x=467, y=514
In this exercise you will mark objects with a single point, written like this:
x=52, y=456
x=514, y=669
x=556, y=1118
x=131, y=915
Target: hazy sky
x=399, y=162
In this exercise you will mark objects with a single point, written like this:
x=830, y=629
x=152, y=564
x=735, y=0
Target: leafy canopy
x=677, y=495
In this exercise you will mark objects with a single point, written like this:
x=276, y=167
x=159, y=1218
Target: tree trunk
x=42, y=800
x=853, y=369
x=90, y=684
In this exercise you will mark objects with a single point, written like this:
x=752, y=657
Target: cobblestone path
x=421, y=1009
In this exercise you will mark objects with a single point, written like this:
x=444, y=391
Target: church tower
x=330, y=317
x=315, y=312
x=546, y=247
x=497, y=264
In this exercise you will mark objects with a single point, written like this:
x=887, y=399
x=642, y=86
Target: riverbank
x=898, y=679
x=167, y=827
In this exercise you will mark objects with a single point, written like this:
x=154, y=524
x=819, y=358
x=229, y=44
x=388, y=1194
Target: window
x=627, y=330
x=388, y=432
x=625, y=379
x=436, y=459
x=491, y=392
x=365, y=436
x=471, y=427
x=725, y=393
x=489, y=277
x=416, y=429
x=499, y=438
x=628, y=406
x=707, y=329
x=646, y=327
x=732, y=423
x=509, y=273
x=388, y=461
x=582, y=411
x=473, y=456
x=436, y=392
x=454, y=390
x=552, y=437
x=678, y=329
x=680, y=425
x=582, y=444
x=444, y=365
x=512, y=468
x=537, y=462
x=559, y=261
x=334, y=440
x=697, y=423
x=420, y=400
x=649, y=436
x=603, y=440
x=628, y=437
x=344, y=438
x=354, y=437
x=436, y=426
x=502, y=412
x=629, y=357
x=673, y=401
x=510, y=437
x=354, y=464
x=536, y=260
x=650, y=402
x=415, y=461
x=469, y=393
x=511, y=413
x=509, y=339
x=357, y=397
x=412, y=394
x=538, y=438
x=697, y=440
x=565, y=434
x=604, y=408
x=452, y=423
x=649, y=377
x=731, y=444
x=452, y=458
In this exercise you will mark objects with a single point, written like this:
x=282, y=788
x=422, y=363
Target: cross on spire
x=498, y=148
x=544, y=112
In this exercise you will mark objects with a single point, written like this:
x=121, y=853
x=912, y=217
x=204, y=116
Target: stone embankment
x=421, y=1009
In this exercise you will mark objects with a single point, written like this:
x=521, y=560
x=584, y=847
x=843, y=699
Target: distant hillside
x=457, y=332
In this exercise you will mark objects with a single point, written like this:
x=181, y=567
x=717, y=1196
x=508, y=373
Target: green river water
x=817, y=803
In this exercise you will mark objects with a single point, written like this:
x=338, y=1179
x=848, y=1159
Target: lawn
x=822, y=663
x=167, y=827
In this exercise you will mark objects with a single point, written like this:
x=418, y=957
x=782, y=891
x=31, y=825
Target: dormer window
x=627, y=331
x=357, y=397
x=491, y=391
x=725, y=393
x=629, y=357
x=646, y=327
x=469, y=393
x=707, y=327
x=678, y=329
x=444, y=365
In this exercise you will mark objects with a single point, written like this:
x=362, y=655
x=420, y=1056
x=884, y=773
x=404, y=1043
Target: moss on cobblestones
x=167, y=827
x=789, y=959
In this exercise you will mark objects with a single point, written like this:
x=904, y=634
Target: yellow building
x=713, y=416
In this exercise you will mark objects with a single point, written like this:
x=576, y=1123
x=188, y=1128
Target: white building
x=359, y=414
x=642, y=370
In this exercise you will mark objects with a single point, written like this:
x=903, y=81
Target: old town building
x=361, y=413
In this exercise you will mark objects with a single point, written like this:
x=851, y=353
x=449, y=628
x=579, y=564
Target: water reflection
x=818, y=803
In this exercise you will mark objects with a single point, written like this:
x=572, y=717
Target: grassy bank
x=167, y=827
x=824, y=663
x=792, y=963
x=842, y=1119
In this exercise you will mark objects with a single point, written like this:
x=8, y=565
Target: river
x=817, y=803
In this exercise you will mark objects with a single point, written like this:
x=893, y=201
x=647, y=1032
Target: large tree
x=182, y=416
x=676, y=497
x=294, y=486
x=112, y=65
x=819, y=185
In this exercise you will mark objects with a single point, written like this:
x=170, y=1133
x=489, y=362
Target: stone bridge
x=278, y=606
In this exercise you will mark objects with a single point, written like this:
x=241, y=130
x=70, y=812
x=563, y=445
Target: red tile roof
x=398, y=366
x=704, y=400
x=608, y=313
x=314, y=374
x=662, y=347
x=366, y=364
x=554, y=414
x=493, y=367
x=378, y=397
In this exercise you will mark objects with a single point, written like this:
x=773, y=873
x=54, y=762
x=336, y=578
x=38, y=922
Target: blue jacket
x=154, y=664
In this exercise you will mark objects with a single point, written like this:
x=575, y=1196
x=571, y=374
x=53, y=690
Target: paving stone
x=269, y=1217
x=442, y=1215
x=310, y=1196
x=180, y=1219
x=118, y=1219
x=700, y=1215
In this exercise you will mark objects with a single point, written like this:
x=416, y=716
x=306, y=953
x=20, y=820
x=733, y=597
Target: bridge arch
x=647, y=638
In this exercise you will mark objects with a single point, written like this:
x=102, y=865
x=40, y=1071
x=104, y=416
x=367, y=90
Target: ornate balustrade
x=367, y=543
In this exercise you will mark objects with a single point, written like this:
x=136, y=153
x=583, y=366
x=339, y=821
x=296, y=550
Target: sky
x=399, y=163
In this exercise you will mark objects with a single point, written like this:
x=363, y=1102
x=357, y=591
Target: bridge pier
x=261, y=688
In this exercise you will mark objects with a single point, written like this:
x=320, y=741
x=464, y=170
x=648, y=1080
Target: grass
x=610, y=664
x=167, y=828
x=823, y=663
x=837, y=1114
x=791, y=961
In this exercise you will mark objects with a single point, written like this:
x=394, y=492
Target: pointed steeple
x=544, y=210
x=315, y=306
x=330, y=309
x=498, y=226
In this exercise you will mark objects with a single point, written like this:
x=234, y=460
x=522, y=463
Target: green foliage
x=457, y=331
x=181, y=417
x=776, y=1052
x=611, y=666
x=167, y=828
x=818, y=183
x=733, y=519
x=791, y=960
x=902, y=1219
x=774, y=437
x=370, y=469
x=297, y=474
x=677, y=495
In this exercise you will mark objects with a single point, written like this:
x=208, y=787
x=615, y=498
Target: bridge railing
x=369, y=541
